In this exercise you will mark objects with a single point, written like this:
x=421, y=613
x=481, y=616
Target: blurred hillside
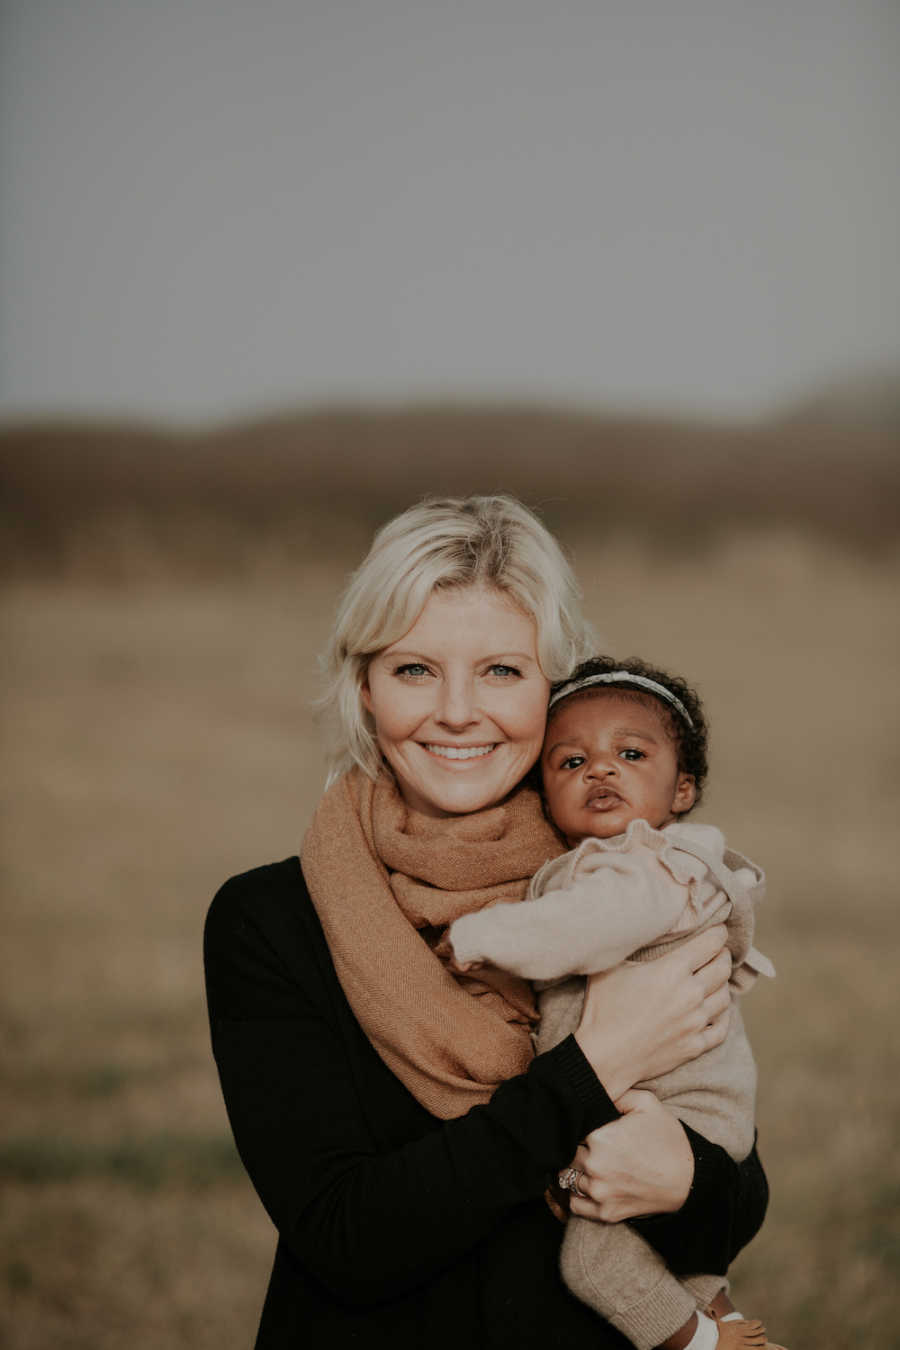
x=110, y=498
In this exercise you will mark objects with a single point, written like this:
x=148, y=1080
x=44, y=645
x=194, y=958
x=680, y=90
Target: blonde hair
x=435, y=545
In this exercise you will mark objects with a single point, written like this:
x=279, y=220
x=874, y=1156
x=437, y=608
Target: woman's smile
x=459, y=702
x=460, y=752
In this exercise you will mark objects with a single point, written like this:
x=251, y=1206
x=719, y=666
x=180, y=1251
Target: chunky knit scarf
x=387, y=882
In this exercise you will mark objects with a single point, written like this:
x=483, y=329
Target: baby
x=623, y=761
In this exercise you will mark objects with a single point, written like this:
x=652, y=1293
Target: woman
x=390, y=1112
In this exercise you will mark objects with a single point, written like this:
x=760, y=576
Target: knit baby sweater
x=634, y=896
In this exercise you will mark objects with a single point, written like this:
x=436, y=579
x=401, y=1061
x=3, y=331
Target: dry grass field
x=158, y=738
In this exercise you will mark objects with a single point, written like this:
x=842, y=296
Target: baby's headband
x=622, y=677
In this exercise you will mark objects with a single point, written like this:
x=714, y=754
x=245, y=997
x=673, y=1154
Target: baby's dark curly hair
x=691, y=742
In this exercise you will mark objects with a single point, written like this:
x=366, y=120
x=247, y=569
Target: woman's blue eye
x=632, y=754
x=500, y=669
x=412, y=668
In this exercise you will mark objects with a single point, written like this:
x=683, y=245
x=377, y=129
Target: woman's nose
x=457, y=704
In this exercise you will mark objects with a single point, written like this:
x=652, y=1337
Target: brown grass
x=158, y=738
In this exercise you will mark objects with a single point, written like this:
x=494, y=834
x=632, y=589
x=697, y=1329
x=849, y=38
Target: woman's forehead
x=469, y=616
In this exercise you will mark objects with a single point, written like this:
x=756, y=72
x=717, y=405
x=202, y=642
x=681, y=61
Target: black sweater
x=395, y=1228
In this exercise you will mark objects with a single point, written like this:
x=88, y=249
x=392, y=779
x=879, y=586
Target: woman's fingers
x=634, y=1099
x=639, y=1164
x=715, y=973
x=581, y=1189
x=716, y=1003
x=714, y=1032
x=643, y=1020
x=700, y=951
x=581, y=1159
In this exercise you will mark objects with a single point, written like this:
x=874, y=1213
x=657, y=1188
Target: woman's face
x=460, y=702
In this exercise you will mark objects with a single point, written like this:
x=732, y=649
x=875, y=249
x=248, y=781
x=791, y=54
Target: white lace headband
x=622, y=677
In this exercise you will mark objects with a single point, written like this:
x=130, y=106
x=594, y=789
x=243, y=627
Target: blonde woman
x=391, y=1113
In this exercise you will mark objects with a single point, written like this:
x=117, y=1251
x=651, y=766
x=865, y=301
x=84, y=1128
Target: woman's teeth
x=459, y=751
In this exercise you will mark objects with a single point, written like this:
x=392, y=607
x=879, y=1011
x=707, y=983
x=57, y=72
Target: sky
x=211, y=208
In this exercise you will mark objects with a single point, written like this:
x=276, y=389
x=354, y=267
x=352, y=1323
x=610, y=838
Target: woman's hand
x=641, y=1164
x=645, y=1019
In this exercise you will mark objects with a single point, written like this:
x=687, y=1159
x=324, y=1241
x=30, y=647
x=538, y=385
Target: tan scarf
x=386, y=882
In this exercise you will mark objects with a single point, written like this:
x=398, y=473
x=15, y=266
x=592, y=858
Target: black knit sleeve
x=724, y=1210
x=368, y=1222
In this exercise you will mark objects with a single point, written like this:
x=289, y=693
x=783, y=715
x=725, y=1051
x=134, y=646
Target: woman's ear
x=685, y=794
x=365, y=694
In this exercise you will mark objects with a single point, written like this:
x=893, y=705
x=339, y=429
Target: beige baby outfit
x=635, y=897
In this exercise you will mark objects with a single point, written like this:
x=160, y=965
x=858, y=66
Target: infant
x=623, y=761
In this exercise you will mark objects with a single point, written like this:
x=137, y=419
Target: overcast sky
x=210, y=207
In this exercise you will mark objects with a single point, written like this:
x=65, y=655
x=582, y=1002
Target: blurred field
x=112, y=501
x=158, y=738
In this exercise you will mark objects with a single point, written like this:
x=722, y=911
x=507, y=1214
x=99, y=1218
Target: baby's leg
x=707, y=1289
x=611, y=1268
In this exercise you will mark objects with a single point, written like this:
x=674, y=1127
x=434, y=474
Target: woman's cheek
x=535, y=715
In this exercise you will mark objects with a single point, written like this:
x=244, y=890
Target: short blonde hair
x=440, y=543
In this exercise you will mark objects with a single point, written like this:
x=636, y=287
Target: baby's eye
x=412, y=670
x=505, y=672
x=572, y=762
x=632, y=754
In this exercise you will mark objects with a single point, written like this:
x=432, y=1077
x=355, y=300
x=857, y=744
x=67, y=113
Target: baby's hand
x=444, y=950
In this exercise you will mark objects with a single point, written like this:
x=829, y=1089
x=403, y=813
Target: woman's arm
x=702, y=1206
x=723, y=1212
x=630, y=1168
x=369, y=1220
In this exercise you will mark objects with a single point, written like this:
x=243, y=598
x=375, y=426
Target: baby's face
x=608, y=760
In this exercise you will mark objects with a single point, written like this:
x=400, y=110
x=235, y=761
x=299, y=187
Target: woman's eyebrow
x=522, y=657
x=500, y=658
